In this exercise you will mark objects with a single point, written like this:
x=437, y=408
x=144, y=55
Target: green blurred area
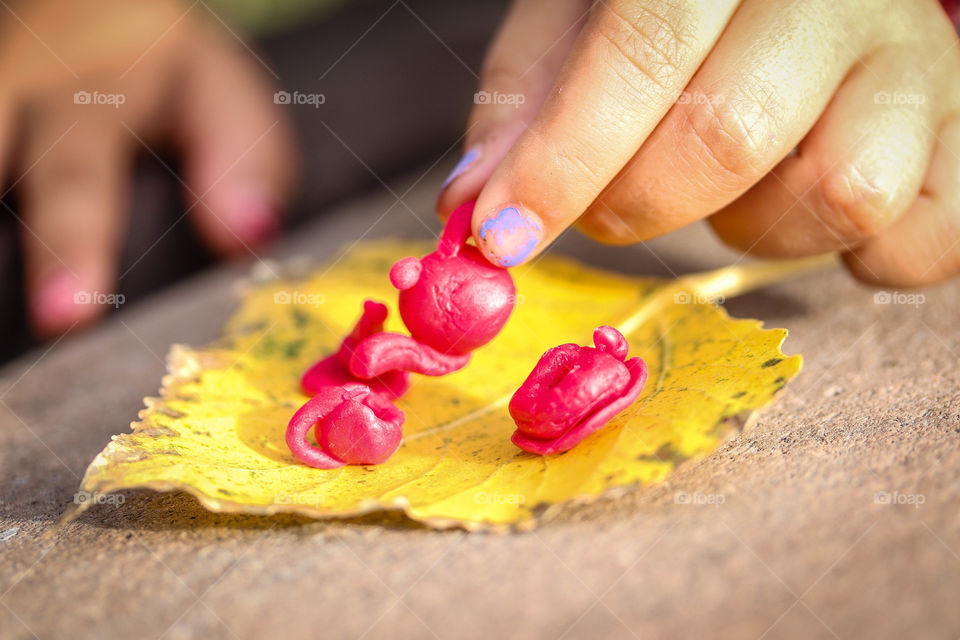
x=262, y=17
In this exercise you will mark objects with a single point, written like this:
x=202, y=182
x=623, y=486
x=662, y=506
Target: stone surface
x=778, y=534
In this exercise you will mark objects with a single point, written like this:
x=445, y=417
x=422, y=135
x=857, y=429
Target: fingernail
x=465, y=163
x=254, y=217
x=509, y=235
x=55, y=307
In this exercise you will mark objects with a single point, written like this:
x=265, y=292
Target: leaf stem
x=740, y=278
x=727, y=282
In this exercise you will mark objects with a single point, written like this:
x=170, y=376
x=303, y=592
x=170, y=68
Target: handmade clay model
x=353, y=425
x=573, y=391
x=334, y=370
x=452, y=301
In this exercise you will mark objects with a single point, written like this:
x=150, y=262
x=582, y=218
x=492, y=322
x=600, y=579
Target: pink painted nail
x=56, y=305
x=253, y=216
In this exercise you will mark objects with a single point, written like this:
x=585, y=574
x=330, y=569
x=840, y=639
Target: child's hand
x=636, y=117
x=84, y=86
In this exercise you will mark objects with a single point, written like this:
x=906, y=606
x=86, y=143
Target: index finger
x=625, y=71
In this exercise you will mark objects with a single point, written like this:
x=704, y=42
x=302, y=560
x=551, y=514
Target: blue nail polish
x=468, y=159
x=509, y=236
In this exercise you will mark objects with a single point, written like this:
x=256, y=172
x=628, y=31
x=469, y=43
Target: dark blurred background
x=398, y=79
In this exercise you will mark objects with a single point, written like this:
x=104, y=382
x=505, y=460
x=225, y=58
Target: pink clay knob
x=405, y=273
x=371, y=320
x=457, y=230
x=611, y=341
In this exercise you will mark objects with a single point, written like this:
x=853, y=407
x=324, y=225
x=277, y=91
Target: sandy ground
x=840, y=512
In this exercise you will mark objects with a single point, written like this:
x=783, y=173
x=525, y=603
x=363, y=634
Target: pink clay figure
x=573, y=391
x=452, y=301
x=353, y=425
x=383, y=353
x=334, y=370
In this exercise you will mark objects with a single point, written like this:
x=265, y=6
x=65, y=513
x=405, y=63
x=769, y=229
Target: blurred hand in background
x=84, y=88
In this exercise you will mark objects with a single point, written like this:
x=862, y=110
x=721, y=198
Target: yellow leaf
x=217, y=431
